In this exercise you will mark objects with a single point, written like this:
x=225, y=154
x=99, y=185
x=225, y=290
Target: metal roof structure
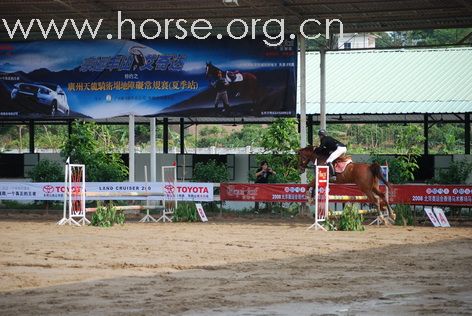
x=356, y=15
x=392, y=85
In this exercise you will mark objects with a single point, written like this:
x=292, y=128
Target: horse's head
x=305, y=155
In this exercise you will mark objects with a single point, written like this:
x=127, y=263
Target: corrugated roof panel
x=386, y=81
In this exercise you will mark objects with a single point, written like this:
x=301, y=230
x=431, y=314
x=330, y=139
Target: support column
x=310, y=129
x=323, y=88
x=153, y=149
x=467, y=134
x=69, y=128
x=426, y=134
x=182, y=136
x=302, y=42
x=131, y=147
x=165, y=136
x=31, y=137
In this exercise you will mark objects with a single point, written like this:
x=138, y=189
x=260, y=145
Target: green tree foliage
x=210, y=171
x=408, y=146
x=446, y=139
x=84, y=147
x=421, y=37
x=47, y=171
x=50, y=136
x=211, y=136
x=457, y=173
x=14, y=138
x=279, y=141
x=249, y=135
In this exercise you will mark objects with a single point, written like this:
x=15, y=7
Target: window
x=347, y=45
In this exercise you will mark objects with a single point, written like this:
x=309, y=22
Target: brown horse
x=364, y=175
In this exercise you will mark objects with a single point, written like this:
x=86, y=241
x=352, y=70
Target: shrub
x=350, y=220
x=211, y=171
x=458, y=173
x=83, y=147
x=404, y=215
x=47, y=171
x=185, y=212
x=107, y=216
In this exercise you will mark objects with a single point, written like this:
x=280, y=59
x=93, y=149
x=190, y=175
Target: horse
x=248, y=84
x=364, y=175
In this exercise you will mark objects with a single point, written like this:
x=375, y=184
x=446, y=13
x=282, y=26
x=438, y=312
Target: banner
x=453, y=195
x=262, y=192
x=456, y=195
x=103, y=79
x=185, y=191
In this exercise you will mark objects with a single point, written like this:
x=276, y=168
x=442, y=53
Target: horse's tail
x=377, y=173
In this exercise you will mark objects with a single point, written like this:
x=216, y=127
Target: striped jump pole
x=321, y=197
x=347, y=197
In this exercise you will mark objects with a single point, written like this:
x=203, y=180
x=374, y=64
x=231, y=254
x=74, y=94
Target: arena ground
x=232, y=267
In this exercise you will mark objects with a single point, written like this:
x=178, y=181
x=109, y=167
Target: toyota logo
x=169, y=189
x=48, y=188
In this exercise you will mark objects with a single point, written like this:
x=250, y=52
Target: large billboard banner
x=169, y=78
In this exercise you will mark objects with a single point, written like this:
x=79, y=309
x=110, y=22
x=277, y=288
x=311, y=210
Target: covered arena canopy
x=397, y=85
x=357, y=15
x=381, y=69
x=362, y=86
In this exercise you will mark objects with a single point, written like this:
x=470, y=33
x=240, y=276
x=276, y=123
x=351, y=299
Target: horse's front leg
x=310, y=192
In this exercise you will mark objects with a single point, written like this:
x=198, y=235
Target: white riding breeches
x=335, y=154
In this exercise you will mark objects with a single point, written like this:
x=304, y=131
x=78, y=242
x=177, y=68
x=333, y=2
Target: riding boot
x=332, y=172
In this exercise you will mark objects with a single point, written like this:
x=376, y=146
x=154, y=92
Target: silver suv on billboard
x=49, y=96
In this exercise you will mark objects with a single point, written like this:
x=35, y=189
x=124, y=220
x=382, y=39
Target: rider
x=333, y=148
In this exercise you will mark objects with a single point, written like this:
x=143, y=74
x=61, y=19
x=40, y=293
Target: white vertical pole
x=82, y=196
x=153, y=149
x=303, y=144
x=323, y=88
x=70, y=192
x=131, y=147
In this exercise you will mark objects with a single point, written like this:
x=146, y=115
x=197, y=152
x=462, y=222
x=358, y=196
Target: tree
x=47, y=171
x=249, y=135
x=421, y=37
x=279, y=141
x=83, y=147
x=211, y=136
x=408, y=142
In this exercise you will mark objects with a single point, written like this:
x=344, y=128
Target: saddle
x=341, y=163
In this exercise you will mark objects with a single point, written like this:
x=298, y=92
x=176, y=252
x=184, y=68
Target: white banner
x=185, y=191
x=432, y=217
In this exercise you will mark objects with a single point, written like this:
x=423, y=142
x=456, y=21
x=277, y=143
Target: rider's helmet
x=322, y=132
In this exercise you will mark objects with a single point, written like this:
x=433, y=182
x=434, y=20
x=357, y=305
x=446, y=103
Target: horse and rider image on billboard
x=167, y=78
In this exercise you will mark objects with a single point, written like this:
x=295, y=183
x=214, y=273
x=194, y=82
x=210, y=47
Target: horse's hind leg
x=384, y=201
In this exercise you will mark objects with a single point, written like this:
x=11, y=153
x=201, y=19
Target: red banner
x=454, y=195
x=262, y=192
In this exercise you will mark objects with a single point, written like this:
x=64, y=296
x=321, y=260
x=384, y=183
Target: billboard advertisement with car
x=103, y=79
